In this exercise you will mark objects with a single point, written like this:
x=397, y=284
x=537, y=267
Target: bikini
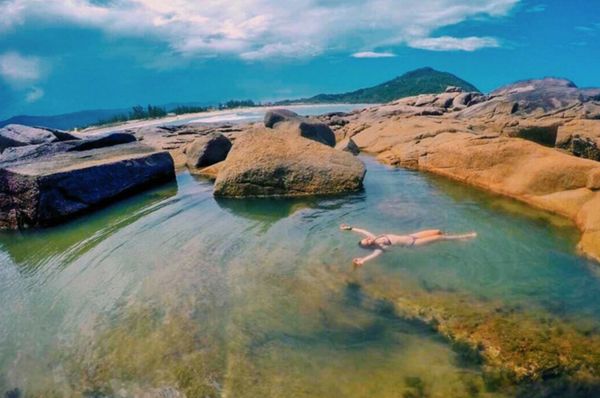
x=389, y=241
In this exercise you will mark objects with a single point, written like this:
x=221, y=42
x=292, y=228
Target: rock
x=291, y=122
x=30, y=152
x=542, y=134
x=207, y=150
x=318, y=132
x=275, y=116
x=15, y=135
x=209, y=172
x=584, y=147
x=593, y=181
x=453, y=89
x=348, y=145
x=36, y=193
x=267, y=163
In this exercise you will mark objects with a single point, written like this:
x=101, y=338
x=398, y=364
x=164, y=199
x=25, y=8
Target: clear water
x=173, y=290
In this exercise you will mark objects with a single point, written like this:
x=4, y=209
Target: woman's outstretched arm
x=363, y=232
x=360, y=261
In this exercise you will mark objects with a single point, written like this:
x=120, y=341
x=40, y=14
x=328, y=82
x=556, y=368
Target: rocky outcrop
x=269, y=163
x=207, y=150
x=44, y=191
x=292, y=123
x=16, y=135
x=519, y=142
x=31, y=152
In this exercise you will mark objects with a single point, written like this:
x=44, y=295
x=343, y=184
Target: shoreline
x=190, y=117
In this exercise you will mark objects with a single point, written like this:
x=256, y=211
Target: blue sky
x=58, y=56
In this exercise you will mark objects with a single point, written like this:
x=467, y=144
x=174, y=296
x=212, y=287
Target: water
x=172, y=290
x=258, y=114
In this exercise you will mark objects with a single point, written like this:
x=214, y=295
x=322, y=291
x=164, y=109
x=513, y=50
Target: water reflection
x=30, y=249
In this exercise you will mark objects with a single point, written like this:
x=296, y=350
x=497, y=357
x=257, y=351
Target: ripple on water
x=258, y=297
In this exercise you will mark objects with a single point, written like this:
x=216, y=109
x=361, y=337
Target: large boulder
x=15, y=135
x=285, y=120
x=40, y=192
x=207, y=150
x=275, y=116
x=267, y=163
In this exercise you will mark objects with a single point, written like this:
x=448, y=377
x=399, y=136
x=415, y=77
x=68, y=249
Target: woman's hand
x=358, y=262
x=345, y=227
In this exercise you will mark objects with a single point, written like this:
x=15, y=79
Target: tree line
x=139, y=112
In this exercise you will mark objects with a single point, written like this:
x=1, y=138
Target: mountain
x=419, y=81
x=66, y=121
x=69, y=121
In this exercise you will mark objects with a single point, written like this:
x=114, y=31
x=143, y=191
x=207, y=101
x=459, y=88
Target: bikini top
x=387, y=241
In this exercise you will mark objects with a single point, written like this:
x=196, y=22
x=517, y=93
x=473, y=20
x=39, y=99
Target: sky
x=59, y=56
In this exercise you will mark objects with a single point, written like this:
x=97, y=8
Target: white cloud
x=34, y=95
x=257, y=29
x=19, y=69
x=447, y=43
x=373, y=54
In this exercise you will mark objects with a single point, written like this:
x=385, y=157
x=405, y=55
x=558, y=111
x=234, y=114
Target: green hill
x=419, y=81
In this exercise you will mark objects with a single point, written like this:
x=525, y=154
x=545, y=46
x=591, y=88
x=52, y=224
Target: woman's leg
x=435, y=238
x=426, y=233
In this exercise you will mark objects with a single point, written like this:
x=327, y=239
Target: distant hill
x=69, y=121
x=419, y=81
x=66, y=121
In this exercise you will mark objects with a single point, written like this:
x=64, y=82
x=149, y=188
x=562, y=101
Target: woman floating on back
x=382, y=242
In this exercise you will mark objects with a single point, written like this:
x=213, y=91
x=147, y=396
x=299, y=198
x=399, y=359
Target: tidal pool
x=172, y=292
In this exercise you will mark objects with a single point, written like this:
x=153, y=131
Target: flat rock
x=30, y=152
x=41, y=192
x=267, y=163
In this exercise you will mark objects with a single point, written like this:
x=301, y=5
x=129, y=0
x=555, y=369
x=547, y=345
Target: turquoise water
x=172, y=290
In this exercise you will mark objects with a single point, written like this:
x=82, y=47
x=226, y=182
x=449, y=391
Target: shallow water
x=173, y=290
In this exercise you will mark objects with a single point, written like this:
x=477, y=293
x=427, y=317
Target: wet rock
x=207, y=150
x=348, y=145
x=268, y=163
x=35, y=193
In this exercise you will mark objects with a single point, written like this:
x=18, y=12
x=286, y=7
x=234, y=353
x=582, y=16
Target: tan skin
x=382, y=242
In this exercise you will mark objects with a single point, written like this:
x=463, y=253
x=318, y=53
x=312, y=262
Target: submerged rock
x=268, y=163
x=39, y=192
x=207, y=150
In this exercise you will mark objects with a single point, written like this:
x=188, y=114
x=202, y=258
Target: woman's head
x=367, y=243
